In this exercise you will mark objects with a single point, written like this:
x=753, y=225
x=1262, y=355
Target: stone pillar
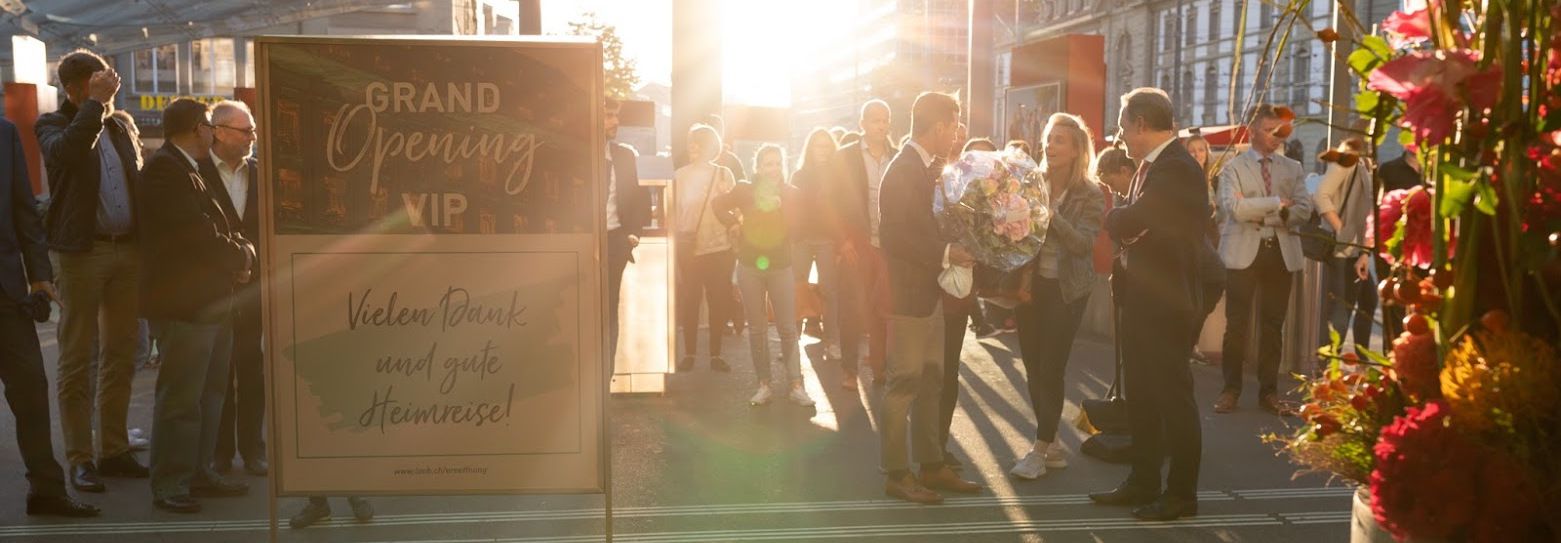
x=696, y=68
x=982, y=71
x=530, y=17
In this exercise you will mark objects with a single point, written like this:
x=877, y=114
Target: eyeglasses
x=246, y=131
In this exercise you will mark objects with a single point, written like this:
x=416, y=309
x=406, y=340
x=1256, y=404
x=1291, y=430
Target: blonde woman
x=1064, y=272
x=704, y=254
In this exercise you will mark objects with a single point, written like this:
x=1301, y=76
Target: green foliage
x=621, y=72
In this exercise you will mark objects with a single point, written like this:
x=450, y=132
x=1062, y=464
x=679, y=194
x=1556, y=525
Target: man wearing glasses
x=243, y=412
x=194, y=258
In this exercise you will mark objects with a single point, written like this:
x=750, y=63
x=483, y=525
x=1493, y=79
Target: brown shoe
x=906, y=488
x=1227, y=402
x=945, y=479
x=848, y=382
x=1270, y=403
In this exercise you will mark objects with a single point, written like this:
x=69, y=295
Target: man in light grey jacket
x=1262, y=198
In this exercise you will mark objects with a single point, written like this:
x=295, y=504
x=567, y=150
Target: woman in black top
x=758, y=207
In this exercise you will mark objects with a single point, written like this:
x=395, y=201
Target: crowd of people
x=1187, y=227
x=171, y=241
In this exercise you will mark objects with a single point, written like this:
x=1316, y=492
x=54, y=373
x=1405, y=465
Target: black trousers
x=707, y=277
x=955, y=315
x=618, y=252
x=1266, y=283
x=1161, y=408
x=27, y=392
x=1047, y=326
x=242, y=427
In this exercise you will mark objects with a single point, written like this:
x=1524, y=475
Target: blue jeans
x=776, y=284
x=186, y=414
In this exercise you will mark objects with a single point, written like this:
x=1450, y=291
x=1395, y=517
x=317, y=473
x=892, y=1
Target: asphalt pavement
x=699, y=465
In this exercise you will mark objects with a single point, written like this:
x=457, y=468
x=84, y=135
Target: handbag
x=1108, y=414
x=1106, y=418
x=688, y=241
x=1317, y=243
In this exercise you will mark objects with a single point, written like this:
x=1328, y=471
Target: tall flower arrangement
x=1456, y=429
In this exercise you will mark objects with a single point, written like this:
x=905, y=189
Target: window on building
x=249, y=64
x=213, y=67
x=1184, y=96
x=1300, y=95
x=1211, y=92
x=157, y=70
x=1190, y=31
x=1215, y=22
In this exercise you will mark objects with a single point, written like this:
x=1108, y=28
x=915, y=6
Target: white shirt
x=236, y=181
x=612, y=192
x=193, y=163
x=1051, y=255
x=875, y=171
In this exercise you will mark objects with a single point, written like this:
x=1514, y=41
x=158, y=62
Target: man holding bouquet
x=915, y=361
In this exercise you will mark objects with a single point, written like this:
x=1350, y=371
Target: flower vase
x=1363, y=525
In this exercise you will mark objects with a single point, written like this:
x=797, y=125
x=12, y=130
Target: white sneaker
x=801, y=397
x=761, y=397
x=1056, y=457
x=1032, y=466
x=834, y=352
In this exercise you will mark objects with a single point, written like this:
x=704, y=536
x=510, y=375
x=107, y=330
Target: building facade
x=897, y=48
x=1190, y=49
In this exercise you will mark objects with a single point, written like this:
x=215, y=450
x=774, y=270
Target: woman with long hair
x=758, y=208
x=1213, y=267
x=704, y=248
x=1064, y=274
x=814, y=233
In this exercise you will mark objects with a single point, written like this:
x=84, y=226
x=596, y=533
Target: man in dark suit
x=864, y=278
x=193, y=255
x=93, y=155
x=1157, y=278
x=26, y=279
x=231, y=173
x=628, y=212
x=913, y=246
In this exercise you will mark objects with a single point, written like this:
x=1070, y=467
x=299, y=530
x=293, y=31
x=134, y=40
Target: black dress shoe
x=60, y=506
x=178, y=504
x=719, y=364
x=257, y=468
x=1125, y=495
x=85, y=478
x=124, y=465
x=1167, y=508
x=215, y=486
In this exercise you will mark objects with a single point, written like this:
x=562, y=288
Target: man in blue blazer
x=24, y=273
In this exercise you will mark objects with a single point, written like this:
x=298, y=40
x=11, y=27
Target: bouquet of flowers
x=995, y=205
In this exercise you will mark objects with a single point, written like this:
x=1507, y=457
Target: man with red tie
x=1262, y=199
x=1159, y=291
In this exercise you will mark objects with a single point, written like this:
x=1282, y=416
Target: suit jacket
x=70, y=142
x=251, y=217
x=1158, y=271
x=849, y=199
x=1248, y=209
x=191, y=249
x=633, y=199
x=912, y=244
x=24, y=256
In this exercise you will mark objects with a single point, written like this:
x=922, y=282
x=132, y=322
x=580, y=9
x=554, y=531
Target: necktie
x=1268, y=179
x=1138, y=181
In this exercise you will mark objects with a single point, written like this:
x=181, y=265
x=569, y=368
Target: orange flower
x=1328, y=35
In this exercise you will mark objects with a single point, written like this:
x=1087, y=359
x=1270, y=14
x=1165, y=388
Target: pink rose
x=1011, y=216
x=1434, y=86
x=1409, y=27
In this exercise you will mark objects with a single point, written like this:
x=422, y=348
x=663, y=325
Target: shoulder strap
x=715, y=177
